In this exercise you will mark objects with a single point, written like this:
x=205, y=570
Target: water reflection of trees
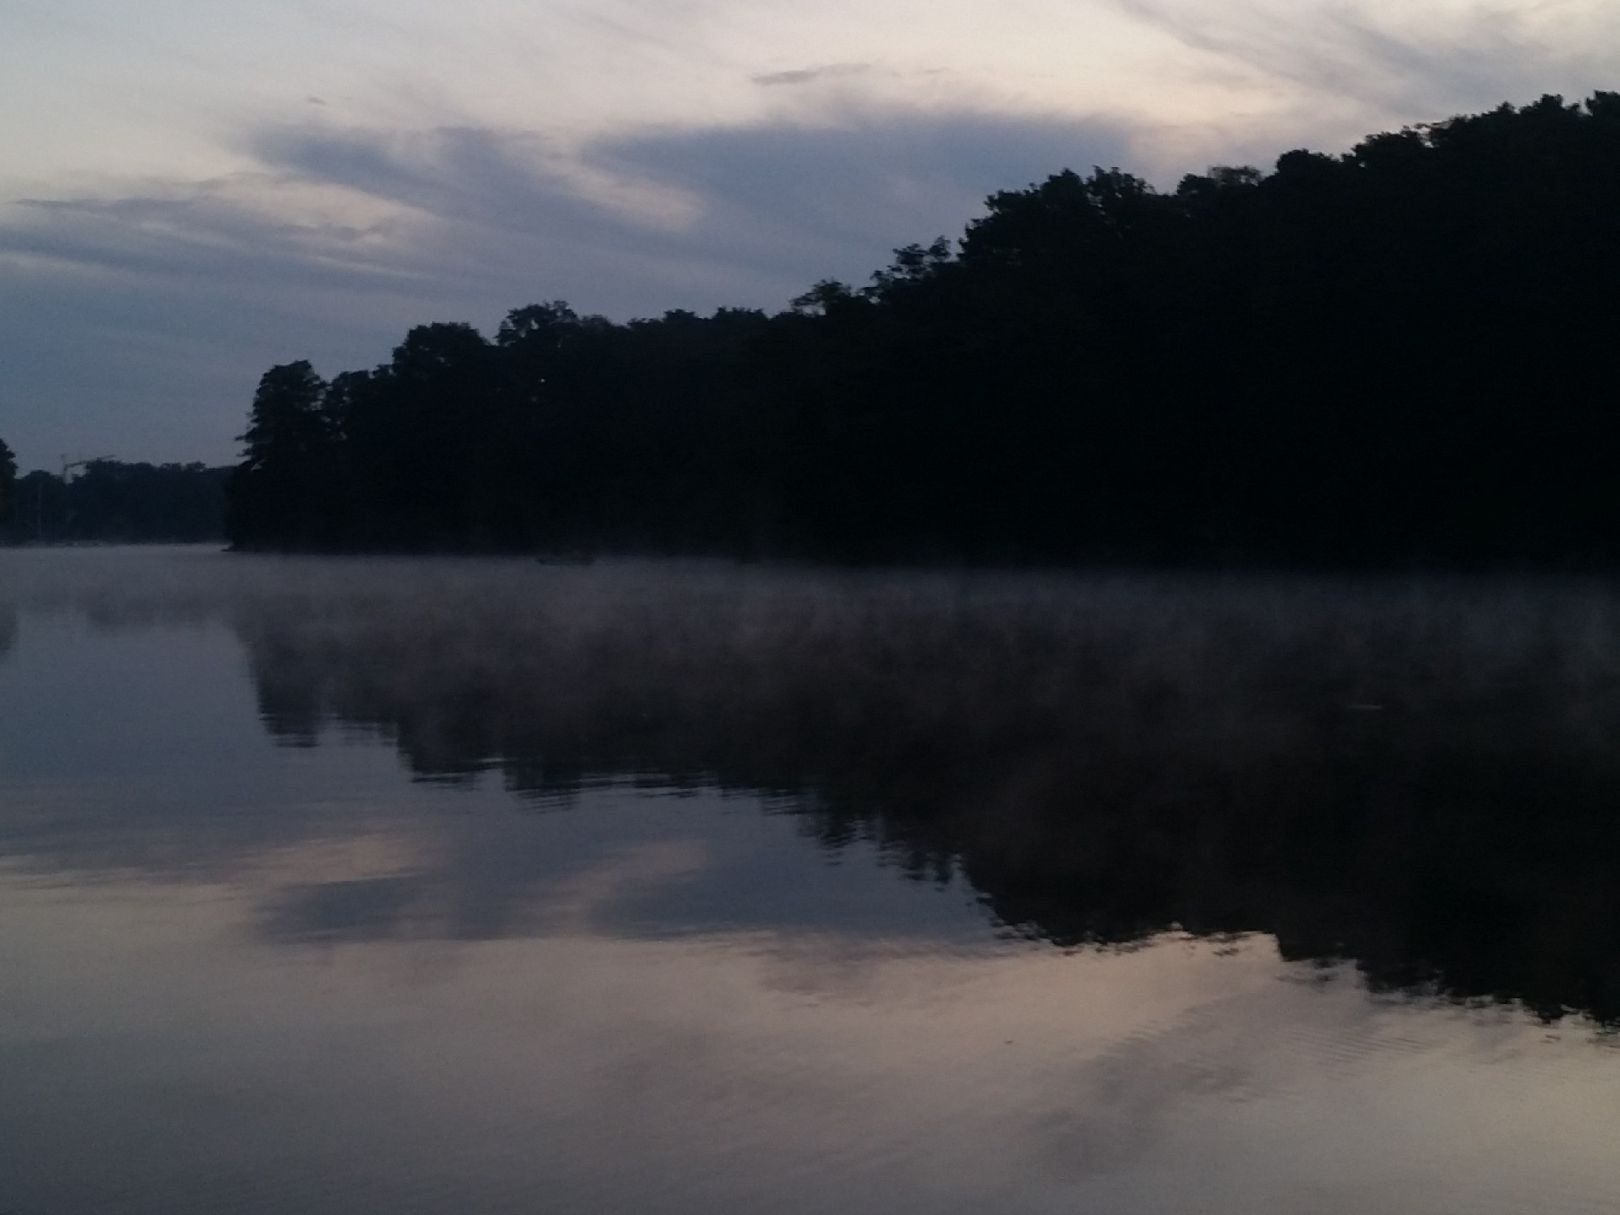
x=1422, y=782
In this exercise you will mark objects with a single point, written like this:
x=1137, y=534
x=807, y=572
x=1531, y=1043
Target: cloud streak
x=339, y=238
x=1385, y=63
x=810, y=75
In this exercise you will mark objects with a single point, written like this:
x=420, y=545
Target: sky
x=192, y=191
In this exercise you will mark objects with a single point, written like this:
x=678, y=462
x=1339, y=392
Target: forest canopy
x=1396, y=355
x=111, y=501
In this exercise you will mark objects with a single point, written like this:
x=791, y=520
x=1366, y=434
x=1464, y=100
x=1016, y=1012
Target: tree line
x=112, y=501
x=1395, y=355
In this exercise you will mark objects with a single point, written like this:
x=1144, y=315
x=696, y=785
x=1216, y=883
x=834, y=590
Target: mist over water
x=407, y=884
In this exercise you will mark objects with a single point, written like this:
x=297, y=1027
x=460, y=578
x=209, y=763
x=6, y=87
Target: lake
x=353, y=886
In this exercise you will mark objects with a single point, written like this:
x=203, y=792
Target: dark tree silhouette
x=1392, y=356
x=284, y=492
x=8, y=482
x=111, y=501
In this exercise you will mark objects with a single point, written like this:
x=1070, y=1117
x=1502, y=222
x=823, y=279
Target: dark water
x=340, y=886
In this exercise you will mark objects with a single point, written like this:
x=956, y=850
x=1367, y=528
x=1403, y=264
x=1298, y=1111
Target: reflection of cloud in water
x=1100, y=759
x=579, y=900
x=346, y=909
x=595, y=1073
x=1415, y=774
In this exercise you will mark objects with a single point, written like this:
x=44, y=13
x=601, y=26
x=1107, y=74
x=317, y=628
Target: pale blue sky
x=192, y=190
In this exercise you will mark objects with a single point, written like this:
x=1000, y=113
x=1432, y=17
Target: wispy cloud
x=1384, y=61
x=179, y=293
x=739, y=161
x=809, y=75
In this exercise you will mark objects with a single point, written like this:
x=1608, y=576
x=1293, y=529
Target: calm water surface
x=396, y=886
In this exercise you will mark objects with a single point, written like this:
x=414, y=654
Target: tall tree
x=8, y=481
x=286, y=423
x=282, y=493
